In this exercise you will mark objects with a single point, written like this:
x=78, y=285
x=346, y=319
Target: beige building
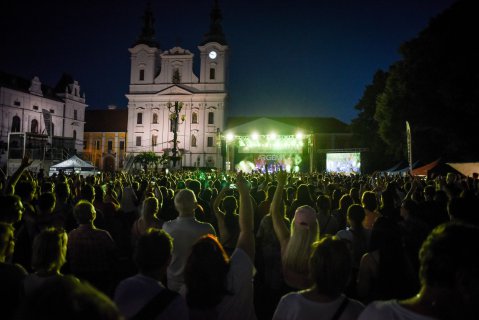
x=105, y=138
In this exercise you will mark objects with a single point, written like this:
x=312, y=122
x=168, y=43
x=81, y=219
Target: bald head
x=185, y=202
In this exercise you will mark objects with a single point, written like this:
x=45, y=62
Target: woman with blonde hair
x=295, y=245
x=148, y=219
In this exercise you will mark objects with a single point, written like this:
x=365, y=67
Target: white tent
x=466, y=168
x=74, y=164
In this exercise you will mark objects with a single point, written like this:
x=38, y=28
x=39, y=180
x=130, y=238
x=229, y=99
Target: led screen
x=343, y=162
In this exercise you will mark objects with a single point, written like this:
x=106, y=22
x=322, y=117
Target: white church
x=166, y=96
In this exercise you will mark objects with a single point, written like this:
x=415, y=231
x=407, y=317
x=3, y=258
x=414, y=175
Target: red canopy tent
x=422, y=171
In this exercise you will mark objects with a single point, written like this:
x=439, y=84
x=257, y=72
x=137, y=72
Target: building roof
x=110, y=120
x=306, y=124
x=21, y=84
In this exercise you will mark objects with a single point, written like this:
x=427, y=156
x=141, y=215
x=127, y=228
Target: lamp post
x=175, y=110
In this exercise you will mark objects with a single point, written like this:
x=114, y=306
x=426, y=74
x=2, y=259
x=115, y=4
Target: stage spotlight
x=229, y=137
x=299, y=135
x=255, y=136
x=272, y=136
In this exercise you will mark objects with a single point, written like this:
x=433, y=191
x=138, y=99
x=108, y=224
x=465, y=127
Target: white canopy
x=73, y=164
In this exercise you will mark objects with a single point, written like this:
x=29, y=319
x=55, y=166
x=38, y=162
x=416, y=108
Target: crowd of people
x=229, y=245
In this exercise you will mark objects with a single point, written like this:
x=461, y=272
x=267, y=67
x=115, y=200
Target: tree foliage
x=435, y=86
x=365, y=127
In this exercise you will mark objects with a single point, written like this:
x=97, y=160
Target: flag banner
x=409, y=146
x=47, y=119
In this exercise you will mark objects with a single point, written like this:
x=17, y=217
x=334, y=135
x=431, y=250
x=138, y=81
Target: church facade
x=171, y=109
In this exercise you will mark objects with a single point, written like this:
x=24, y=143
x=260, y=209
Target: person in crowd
x=11, y=275
x=370, y=205
x=148, y=219
x=228, y=224
x=358, y=239
x=449, y=276
x=330, y=269
x=185, y=230
x=341, y=213
x=269, y=281
x=414, y=230
x=295, y=244
x=92, y=253
x=302, y=198
x=48, y=257
x=327, y=222
x=66, y=297
x=385, y=272
x=144, y=296
x=218, y=286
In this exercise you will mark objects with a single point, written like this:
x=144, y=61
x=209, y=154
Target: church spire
x=147, y=35
x=215, y=34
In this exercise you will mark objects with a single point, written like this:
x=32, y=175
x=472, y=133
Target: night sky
x=288, y=58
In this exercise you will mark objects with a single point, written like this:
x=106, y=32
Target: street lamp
x=175, y=111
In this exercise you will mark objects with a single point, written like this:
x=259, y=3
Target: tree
x=436, y=88
x=365, y=127
x=146, y=159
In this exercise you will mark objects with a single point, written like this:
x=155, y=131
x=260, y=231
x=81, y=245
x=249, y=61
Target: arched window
x=34, y=126
x=15, y=124
x=75, y=135
x=193, y=140
x=194, y=118
x=155, y=118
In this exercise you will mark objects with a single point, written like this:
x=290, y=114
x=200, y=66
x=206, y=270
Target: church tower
x=145, y=52
x=213, y=52
x=163, y=79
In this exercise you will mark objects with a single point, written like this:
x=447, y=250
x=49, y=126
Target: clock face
x=212, y=54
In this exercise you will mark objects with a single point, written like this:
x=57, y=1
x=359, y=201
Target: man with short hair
x=92, y=253
x=143, y=296
x=185, y=230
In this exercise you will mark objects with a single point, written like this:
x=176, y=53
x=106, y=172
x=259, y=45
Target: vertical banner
x=409, y=146
x=47, y=119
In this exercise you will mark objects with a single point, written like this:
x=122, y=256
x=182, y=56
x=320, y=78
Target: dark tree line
x=435, y=86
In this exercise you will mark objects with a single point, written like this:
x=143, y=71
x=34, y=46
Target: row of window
x=109, y=145
x=194, y=119
x=75, y=112
x=154, y=141
x=176, y=78
x=34, y=127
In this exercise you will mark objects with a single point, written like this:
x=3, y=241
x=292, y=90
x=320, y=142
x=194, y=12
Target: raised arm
x=277, y=211
x=246, y=224
x=10, y=187
x=220, y=215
